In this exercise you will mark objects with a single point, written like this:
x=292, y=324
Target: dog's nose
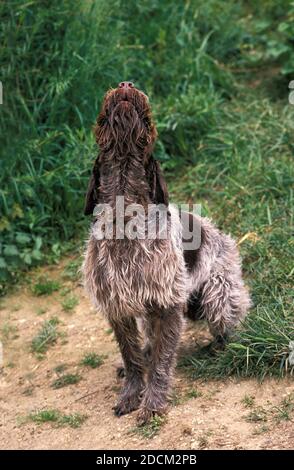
x=126, y=85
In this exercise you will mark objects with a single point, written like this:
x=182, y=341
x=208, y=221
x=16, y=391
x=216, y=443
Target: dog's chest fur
x=125, y=277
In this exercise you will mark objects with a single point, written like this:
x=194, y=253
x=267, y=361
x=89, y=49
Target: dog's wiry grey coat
x=154, y=280
x=124, y=276
x=217, y=277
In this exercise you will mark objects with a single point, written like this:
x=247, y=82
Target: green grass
x=60, y=368
x=72, y=270
x=8, y=331
x=45, y=286
x=284, y=411
x=65, y=380
x=261, y=430
x=92, y=360
x=74, y=420
x=150, y=429
x=45, y=416
x=69, y=303
x=175, y=398
x=248, y=401
x=225, y=138
x=65, y=291
x=193, y=393
x=261, y=348
x=257, y=415
x=203, y=439
x=46, y=336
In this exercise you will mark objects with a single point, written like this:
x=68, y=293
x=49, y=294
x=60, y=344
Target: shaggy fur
x=154, y=281
x=215, y=285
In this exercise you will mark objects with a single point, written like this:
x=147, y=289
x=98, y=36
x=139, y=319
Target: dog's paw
x=127, y=405
x=145, y=414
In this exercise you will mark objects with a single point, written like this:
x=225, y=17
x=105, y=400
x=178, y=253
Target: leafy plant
x=47, y=336
x=92, y=360
x=71, y=270
x=150, y=429
x=285, y=409
x=45, y=286
x=256, y=415
x=65, y=380
x=193, y=393
x=74, y=420
x=60, y=368
x=69, y=303
x=8, y=331
x=248, y=401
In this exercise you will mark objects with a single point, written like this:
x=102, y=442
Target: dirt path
x=231, y=414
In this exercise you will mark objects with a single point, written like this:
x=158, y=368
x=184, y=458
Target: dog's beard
x=127, y=130
x=124, y=125
x=125, y=116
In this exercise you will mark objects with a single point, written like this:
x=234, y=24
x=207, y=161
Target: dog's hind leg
x=165, y=331
x=128, y=338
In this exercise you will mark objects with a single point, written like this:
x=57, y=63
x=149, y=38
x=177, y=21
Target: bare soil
x=228, y=414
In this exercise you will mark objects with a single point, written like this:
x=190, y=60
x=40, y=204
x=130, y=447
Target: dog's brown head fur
x=125, y=122
x=125, y=133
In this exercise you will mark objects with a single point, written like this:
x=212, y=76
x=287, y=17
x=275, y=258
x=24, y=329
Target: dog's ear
x=92, y=191
x=158, y=188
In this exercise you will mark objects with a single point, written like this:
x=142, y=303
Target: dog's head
x=125, y=128
x=125, y=122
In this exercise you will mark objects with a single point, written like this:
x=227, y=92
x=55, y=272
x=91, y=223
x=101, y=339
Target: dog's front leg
x=166, y=331
x=128, y=338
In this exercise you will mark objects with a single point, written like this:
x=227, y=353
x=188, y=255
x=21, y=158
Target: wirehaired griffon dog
x=145, y=285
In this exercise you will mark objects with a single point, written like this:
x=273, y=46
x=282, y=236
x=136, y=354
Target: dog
x=146, y=285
